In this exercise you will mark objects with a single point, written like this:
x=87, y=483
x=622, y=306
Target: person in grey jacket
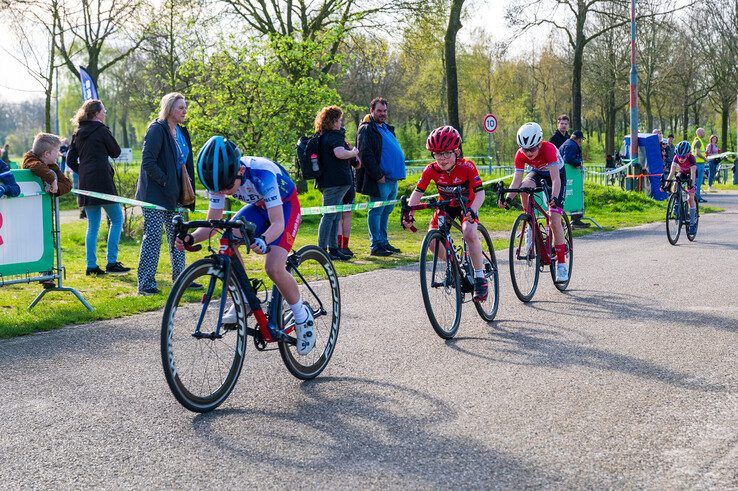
x=167, y=149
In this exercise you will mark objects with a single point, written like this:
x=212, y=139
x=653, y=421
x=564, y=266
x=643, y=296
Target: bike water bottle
x=314, y=161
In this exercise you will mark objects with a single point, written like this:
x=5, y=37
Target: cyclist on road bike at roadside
x=546, y=166
x=450, y=171
x=685, y=163
x=271, y=204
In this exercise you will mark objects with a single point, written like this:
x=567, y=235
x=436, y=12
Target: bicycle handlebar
x=458, y=201
x=182, y=228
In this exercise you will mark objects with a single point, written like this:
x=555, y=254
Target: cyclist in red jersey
x=450, y=171
x=685, y=163
x=546, y=166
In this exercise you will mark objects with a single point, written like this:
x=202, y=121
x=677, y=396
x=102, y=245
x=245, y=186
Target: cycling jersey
x=265, y=184
x=548, y=157
x=684, y=167
x=464, y=175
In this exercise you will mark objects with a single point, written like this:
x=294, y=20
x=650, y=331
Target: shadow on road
x=543, y=345
x=347, y=426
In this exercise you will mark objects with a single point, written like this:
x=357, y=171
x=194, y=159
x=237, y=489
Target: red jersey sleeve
x=549, y=154
x=520, y=161
x=475, y=182
x=425, y=178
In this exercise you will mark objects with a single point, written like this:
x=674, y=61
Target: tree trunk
x=576, y=80
x=724, y=114
x=452, y=85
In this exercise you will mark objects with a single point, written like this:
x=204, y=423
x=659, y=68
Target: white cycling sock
x=299, y=311
x=479, y=273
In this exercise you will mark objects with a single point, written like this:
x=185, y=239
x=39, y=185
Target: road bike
x=202, y=356
x=677, y=210
x=531, y=244
x=446, y=271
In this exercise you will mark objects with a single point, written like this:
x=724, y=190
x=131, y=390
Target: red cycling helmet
x=443, y=139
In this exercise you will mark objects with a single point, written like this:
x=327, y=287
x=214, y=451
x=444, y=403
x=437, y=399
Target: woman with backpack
x=336, y=178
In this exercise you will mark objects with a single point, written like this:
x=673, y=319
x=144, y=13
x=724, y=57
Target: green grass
x=115, y=296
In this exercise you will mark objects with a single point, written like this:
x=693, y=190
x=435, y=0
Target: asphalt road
x=627, y=381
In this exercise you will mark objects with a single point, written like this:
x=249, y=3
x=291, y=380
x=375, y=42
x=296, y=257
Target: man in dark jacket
x=571, y=153
x=382, y=165
x=562, y=131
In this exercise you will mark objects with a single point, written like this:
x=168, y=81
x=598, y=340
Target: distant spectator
x=698, y=150
x=8, y=186
x=562, y=131
x=42, y=160
x=670, y=149
x=91, y=146
x=571, y=153
x=662, y=145
x=712, y=149
x=166, y=151
x=5, y=155
x=382, y=165
x=336, y=177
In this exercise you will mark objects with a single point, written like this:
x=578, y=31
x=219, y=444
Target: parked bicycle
x=446, y=271
x=677, y=210
x=202, y=356
x=531, y=244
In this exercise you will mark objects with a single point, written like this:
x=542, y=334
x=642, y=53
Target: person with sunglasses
x=271, y=204
x=546, y=166
x=685, y=163
x=450, y=171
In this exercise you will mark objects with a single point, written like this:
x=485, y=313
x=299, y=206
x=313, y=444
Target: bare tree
x=720, y=66
x=449, y=49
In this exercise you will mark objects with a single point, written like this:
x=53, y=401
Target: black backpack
x=308, y=156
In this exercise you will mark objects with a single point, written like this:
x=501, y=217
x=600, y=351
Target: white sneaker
x=229, y=316
x=562, y=272
x=306, y=333
x=712, y=189
x=527, y=242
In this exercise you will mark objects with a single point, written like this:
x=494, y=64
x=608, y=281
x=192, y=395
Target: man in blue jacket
x=382, y=165
x=8, y=186
x=571, y=153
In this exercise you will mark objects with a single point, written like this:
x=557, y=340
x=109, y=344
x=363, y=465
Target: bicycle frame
x=681, y=192
x=533, y=207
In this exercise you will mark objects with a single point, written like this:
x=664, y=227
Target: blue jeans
x=713, y=172
x=94, y=215
x=377, y=218
x=328, y=230
x=700, y=179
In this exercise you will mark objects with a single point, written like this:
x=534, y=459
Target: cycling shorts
x=539, y=178
x=452, y=212
x=350, y=196
x=292, y=218
x=686, y=177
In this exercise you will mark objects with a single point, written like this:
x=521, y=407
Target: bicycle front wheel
x=202, y=365
x=524, y=258
x=488, y=309
x=673, y=219
x=318, y=283
x=566, y=225
x=439, y=284
x=691, y=237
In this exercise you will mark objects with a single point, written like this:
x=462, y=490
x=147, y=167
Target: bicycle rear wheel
x=202, y=369
x=691, y=237
x=562, y=285
x=673, y=220
x=488, y=309
x=524, y=265
x=319, y=290
x=439, y=284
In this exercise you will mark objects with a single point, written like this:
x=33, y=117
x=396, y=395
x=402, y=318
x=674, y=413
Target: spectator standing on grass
x=712, y=149
x=336, y=178
x=167, y=152
x=88, y=154
x=562, y=131
x=698, y=150
x=571, y=153
x=382, y=165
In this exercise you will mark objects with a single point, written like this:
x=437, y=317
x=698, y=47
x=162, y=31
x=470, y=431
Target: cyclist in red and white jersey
x=450, y=171
x=546, y=166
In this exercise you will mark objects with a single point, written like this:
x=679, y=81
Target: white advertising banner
x=22, y=227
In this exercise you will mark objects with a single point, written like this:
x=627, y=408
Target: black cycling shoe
x=480, y=289
x=347, y=252
x=380, y=251
x=116, y=267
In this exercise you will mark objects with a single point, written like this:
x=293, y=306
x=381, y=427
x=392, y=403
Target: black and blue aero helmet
x=218, y=163
x=683, y=148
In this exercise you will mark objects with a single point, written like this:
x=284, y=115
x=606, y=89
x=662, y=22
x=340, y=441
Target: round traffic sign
x=490, y=123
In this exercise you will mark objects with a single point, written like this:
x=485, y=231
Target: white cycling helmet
x=530, y=135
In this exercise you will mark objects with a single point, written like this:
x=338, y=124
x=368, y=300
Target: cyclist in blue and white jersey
x=271, y=204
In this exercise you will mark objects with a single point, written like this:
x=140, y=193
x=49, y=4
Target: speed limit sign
x=490, y=123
